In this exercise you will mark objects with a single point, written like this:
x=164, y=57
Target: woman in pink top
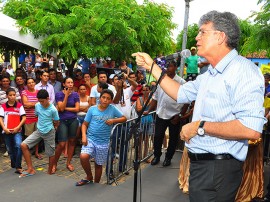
x=29, y=99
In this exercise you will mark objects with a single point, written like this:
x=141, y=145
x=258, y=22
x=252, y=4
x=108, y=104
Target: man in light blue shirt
x=228, y=110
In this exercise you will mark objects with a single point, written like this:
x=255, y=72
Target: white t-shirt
x=166, y=106
x=126, y=108
x=94, y=93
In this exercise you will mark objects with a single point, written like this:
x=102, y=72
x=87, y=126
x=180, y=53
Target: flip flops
x=70, y=168
x=19, y=171
x=83, y=182
x=26, y=174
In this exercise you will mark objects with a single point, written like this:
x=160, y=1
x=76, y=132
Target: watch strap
x=201, y=124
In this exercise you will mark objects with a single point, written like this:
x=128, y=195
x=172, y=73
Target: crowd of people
x=55, y=107
x=221, y=125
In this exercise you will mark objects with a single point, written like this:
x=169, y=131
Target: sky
x=241, y=8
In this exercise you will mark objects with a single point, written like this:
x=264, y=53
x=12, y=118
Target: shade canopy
x=10, y=34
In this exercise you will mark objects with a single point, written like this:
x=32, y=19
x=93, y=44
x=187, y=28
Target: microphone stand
x=135, y=132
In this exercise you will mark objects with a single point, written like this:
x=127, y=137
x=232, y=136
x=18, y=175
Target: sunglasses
x=77, y=75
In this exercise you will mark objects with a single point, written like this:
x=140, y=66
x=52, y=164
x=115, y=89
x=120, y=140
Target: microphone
x=164, y=60
x=184, y=53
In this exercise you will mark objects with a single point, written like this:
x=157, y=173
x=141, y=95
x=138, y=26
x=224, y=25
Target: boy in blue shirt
x=96, y=130
x=48, y=121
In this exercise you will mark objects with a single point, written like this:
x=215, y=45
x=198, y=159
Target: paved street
x=41, y=165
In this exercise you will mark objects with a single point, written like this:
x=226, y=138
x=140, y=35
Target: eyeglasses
x=203, y=32
x=77, y=75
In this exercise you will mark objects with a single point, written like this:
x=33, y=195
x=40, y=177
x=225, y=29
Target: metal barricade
x=121, y=148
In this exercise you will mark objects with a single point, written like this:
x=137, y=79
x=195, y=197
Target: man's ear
x=222, y=38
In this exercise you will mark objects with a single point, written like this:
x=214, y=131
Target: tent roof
x=9, y=29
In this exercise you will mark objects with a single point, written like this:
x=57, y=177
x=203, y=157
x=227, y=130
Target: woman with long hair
x=29, y=100
x=68, y=104
x=85, y=103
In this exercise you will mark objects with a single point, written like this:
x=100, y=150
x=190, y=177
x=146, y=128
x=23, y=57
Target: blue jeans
x=13, y=144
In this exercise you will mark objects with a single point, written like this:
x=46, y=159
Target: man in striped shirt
x=228, y=109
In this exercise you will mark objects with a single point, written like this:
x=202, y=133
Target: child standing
x=12, y=117
x=96, y=130
x=46, y=113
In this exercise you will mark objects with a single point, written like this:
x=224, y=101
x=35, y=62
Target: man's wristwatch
x=200, y=130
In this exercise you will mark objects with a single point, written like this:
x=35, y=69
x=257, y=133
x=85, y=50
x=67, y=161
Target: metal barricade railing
x=121, y=149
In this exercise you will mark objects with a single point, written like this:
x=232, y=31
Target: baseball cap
x=193, y=48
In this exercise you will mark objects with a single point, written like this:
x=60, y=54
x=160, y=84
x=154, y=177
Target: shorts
x=67, y=129
x=97, y=151
x=49, y=141
x=30, y=128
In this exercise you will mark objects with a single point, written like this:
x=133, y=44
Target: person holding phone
x=67, y=104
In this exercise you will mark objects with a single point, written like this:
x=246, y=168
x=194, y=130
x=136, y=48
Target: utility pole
x=184, y=43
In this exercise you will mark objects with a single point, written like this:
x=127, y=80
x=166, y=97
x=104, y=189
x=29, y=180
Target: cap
x=193, y=48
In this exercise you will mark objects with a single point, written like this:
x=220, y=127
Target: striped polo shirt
x=30, y=112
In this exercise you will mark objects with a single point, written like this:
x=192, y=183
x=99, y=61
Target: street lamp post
x=184, y=43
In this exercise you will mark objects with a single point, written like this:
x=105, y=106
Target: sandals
x=26, y=174
x=19, y=171
x=70, y=168
x=83, y=182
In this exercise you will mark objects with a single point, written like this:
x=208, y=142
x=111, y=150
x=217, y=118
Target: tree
x=259, y=38
x=247, y=29
x=114, y=28
x=191, y=35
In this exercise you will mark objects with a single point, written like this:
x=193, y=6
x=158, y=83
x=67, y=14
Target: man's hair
x=86, y=74
x=10, y=90
x=5, y=76
x=52, y=70
x=43, y=71
x=131, y=73
x=108, y=91
x=102, y=72
x=103, y=85
x=172, y=63
x=225, y=22
x=42, y=94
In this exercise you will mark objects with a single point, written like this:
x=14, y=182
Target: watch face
x=200, y=131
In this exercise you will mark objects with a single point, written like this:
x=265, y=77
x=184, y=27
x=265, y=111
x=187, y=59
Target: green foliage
x=259, y=37
x=191, y=35
x=114, y=28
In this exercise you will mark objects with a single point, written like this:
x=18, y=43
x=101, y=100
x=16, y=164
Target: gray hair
x=225, y=22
